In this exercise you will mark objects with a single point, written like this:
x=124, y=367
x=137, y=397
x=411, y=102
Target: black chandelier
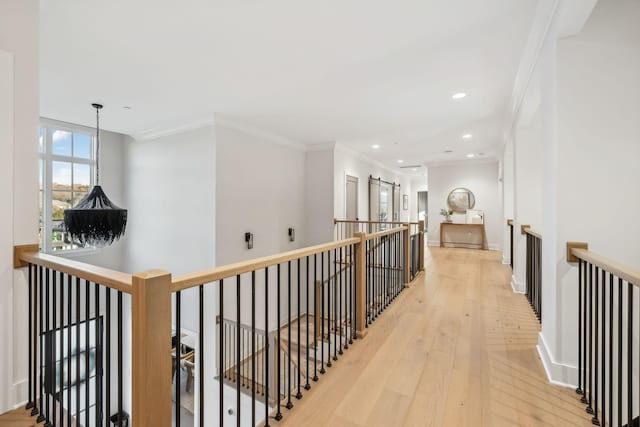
x=95, y=220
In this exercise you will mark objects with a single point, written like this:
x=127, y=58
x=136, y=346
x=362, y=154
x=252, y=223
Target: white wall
x=170, y=195
x=319, y=210
x=19, y=110
x=348, y=162
x=598, y=147
x=261, y=186
x=479, y=177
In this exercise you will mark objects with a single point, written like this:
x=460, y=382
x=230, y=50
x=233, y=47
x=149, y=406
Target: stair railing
x=533, y=269
x=608, y=294
x=114, y=332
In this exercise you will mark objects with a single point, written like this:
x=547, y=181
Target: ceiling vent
x=410, y=166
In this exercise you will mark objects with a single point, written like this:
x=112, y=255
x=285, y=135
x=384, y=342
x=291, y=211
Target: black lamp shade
x=95, y=220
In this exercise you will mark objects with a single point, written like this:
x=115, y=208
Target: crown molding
x=258, y=133
x=155, y=133
x=463, y=162
x=371, y=160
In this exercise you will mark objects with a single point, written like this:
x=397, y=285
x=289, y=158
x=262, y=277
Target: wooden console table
x=463, y=227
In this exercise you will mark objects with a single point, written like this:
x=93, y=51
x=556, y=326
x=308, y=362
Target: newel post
x=421, y=229
x=406, y=270
x=361, y=284
x=151, y=348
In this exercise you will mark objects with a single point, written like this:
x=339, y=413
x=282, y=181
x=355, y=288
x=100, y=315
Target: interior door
x=351, y=214
x=352, y=198
x=396, y=203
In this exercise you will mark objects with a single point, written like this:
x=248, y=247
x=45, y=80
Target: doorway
x=423, y=204
x=351, y=191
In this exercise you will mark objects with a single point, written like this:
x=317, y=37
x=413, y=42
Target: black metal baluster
x=277, y=352
x=87, y=344
x=307, y=386
x=61, y=352
x=52, y=351
x=289, y=402
x=266, y=349
x=69, y=327
x=329, y=364
x=620, y=351
x=348, y=298
x=200, y=359
x=335, y=304
x=178, y=355
x=389, y=270
x=30, y=312
x=253, y=348
x=315, y=318
x=107, y=298
x=47, y=350
x=367, y=267
x=35, y=339
x=604, y=356
x=322, y=370
x=78, y=352
x=352, y=300
x=610, y=350
x=299, y=394
x=580, y=384
x=41, y=343
x=594, y=420
x=583, y=399
x=629, y=354
x=590, y=407
x=221, y=354
x=340, y=321
x=238, y=351
x=120, y=364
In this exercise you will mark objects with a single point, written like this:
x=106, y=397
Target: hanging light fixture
x=95, y=220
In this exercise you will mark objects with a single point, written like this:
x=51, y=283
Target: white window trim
x=47, y=157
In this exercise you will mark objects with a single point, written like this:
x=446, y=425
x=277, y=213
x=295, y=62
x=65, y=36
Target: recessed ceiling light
x=467, y=136
x=471, y=156
x=414, y=169
x=458, y=95
x=375, y=146
x=400, y=161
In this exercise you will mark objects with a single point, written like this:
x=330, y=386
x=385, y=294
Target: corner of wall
x=558, y=373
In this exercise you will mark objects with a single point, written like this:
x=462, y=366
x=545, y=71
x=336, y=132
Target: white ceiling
x=358, y=72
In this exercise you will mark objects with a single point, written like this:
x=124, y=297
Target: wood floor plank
x=456, y=348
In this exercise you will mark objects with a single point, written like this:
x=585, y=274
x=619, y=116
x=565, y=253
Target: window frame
x=47, y=158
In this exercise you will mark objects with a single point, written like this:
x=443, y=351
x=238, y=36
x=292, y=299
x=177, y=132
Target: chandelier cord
x=97, y=146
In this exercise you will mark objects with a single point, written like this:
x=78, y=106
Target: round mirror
x=460, y=199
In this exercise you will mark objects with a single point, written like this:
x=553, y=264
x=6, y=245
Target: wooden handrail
x=385, y=232
x=533, y=233
x=355, y=221
x=191, y=280
x=628, y=274
x=526, y=229
x=103, y=276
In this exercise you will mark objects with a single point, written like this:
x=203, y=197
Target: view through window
x=66, y=176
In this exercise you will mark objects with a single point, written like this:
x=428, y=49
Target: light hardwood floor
x=18, y=418
x=456, y=349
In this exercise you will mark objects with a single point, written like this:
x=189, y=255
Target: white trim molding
x=517, y=287
x=560, y=374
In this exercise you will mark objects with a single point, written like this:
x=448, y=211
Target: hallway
x=457, y=349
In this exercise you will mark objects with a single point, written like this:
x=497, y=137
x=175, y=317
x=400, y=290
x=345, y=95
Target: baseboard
x=433, y=244
x=517, y=288
x=505, y=260
x=559, y=374
x=20, y=389
x=494, y=247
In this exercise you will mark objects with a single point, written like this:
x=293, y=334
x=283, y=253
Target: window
x=66, y=176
